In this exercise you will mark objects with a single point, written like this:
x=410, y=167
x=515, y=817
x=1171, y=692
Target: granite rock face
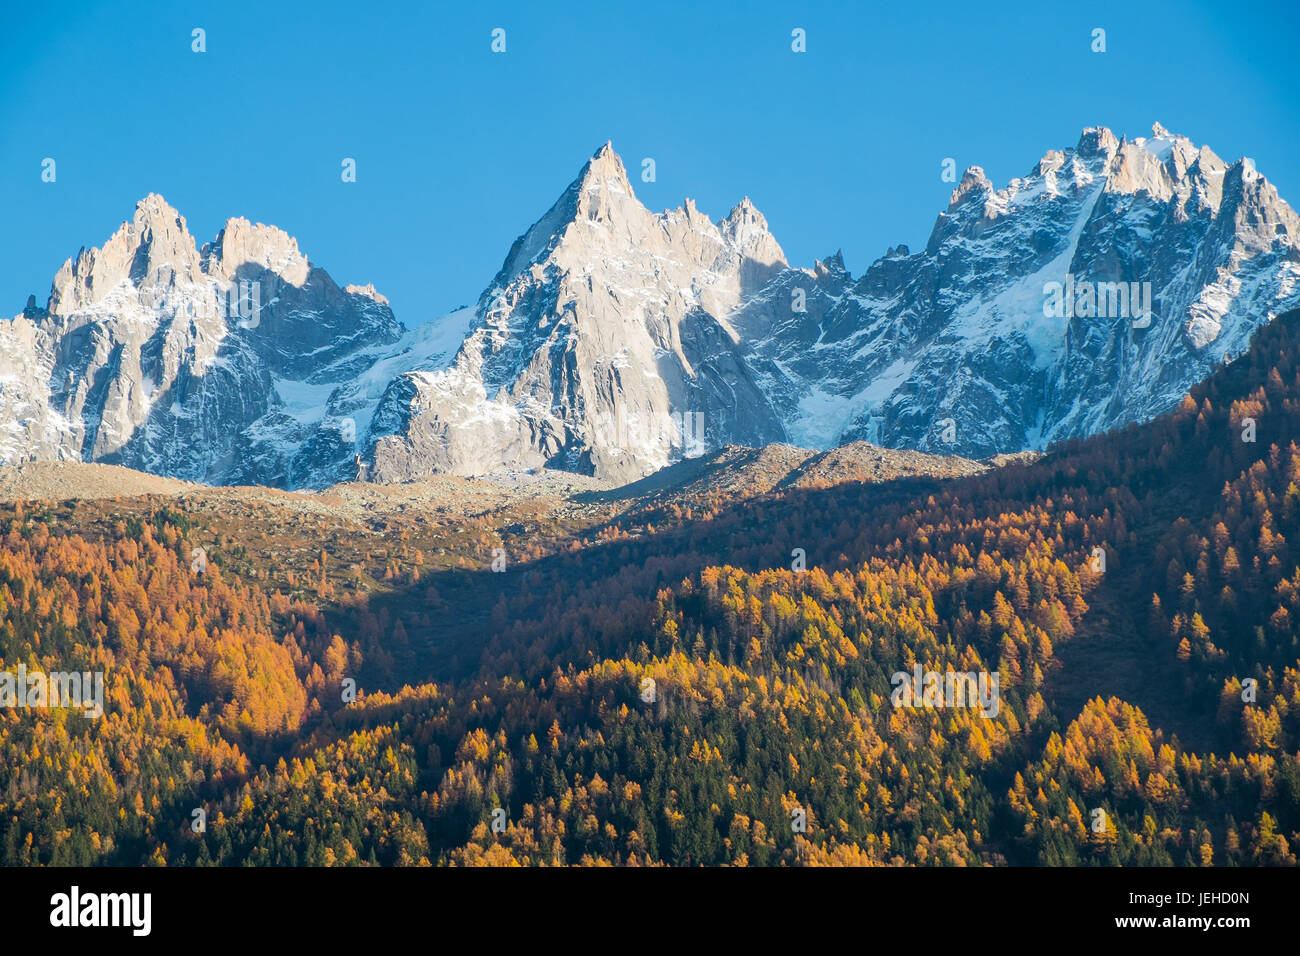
x=614, y=341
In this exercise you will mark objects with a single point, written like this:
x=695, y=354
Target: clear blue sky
x=460, y=149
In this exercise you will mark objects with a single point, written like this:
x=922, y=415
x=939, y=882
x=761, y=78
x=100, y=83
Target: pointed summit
x=601, y=193
x=747, y=230
x=831, y=265
x=605, y=163
x=602, y=184
x=1096, y=140
x=154, y=211
x=972, y=181
x=33, y=311
x=156, y=241
x=241, y=243
x=743, y=221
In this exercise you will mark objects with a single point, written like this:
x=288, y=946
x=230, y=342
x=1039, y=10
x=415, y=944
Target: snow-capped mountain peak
x=960, y=348
x=1086, y=294
x=600, y=343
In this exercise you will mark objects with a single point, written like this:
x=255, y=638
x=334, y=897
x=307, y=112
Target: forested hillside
x=1136, y=595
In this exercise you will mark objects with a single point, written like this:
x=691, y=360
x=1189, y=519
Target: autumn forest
x=692, y=680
